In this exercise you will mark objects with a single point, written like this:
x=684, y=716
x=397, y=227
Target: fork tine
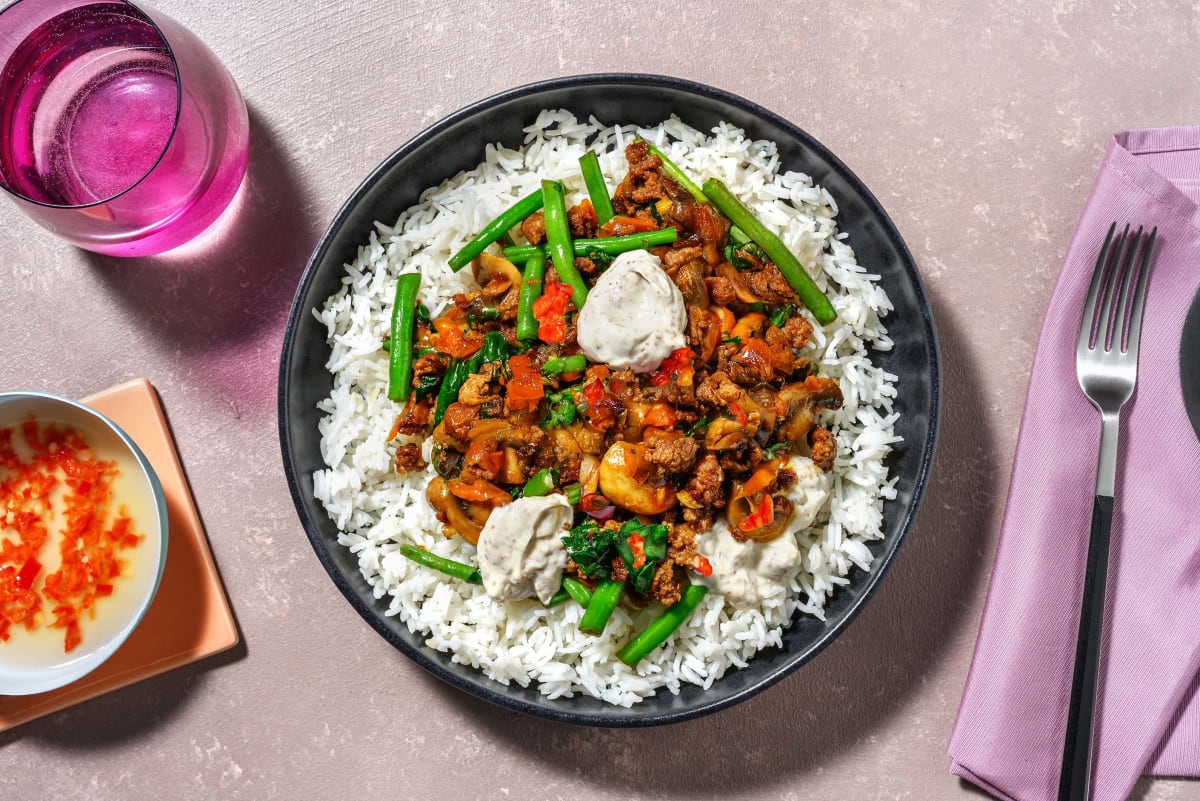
x=1126, y=277
x=1089, y=307
x=1139, y=295
x=1122, y=255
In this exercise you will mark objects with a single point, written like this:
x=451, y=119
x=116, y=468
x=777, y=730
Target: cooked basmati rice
x=377, y=510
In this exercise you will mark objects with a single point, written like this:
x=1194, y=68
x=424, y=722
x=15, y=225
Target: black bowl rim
x=480, y=685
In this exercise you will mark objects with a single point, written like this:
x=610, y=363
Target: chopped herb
x=698, y=428
x=654, y=213
x=561, y=409
x=423, y=312
x=589, y=547
x=773, y=450
x=736, y=255
x=592, y=549
x=732, y=340
x=598, y=257
x=427, y=384
x=781, y=315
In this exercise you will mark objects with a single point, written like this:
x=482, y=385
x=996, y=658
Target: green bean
x=564, y=364
x=456, y=376
x=497, y=227
x=558, y=241
x=611, y=245
x=578, y=591
x=559, y=597
x=661, y=627
x=541, y=483
x=589, y=165
x=737, y=235
x=440, y=563
x=789, y=265
x=574, y=493
x=403, y=319
x=531, y=290
x=677, y=175
x=605, y=598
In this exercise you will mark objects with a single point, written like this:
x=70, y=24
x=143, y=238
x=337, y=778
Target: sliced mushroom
x=623, y=474
x=495, y=275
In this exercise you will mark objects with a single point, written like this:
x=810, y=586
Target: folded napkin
x=1008, y=738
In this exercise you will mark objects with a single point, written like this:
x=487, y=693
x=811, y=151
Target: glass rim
x=166, y=145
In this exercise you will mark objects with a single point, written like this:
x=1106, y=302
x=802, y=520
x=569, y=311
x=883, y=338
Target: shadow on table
x=850, y=690
x=126, y=715
x=221, y=301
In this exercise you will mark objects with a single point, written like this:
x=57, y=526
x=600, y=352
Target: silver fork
x=1106, y=365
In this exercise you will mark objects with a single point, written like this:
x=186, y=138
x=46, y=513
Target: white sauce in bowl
x=634, y=316
x=521, y=552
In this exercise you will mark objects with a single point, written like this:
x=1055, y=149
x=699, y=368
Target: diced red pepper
x=677, y=365
x=28, y=574
x=550, y=311
x=761, y=516
x=703, y=566
x=637, y=544
x=739, y=413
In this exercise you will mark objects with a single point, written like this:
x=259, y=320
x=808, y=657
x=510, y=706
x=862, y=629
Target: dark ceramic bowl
x=457, y=143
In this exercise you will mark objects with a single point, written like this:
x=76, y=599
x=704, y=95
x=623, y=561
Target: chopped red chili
x=90, y=536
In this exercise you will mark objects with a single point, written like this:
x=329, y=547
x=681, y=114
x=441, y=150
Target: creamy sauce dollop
x=746, y=573
x=521, y=552
x=634, y=316
x=808, y=494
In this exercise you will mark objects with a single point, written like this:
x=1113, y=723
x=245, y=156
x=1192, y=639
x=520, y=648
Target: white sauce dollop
x=808, y=494
x=521, y=552
x=746, y=573
x=634, y=316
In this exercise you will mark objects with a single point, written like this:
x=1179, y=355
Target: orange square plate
x=190, y=617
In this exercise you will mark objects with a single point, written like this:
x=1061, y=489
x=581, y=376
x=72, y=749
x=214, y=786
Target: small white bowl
x=25, y=676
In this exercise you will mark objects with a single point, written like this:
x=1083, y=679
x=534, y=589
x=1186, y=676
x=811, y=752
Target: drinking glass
x=119, y=130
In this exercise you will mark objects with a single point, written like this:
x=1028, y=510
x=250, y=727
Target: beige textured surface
x=979, y=126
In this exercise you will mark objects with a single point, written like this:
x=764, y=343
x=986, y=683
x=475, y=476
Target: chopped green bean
x=559, y=597
x=497, y=227
x=589, y=165
x=789, y=265
x=574, y=493
x=403, y=319
x=578, y=591
x=611, y=245
x=605, y=598
x=531, y=290
x=564, y=364
x=661, y=627
x=558, y=241
x=458, y=570
x=541, y=483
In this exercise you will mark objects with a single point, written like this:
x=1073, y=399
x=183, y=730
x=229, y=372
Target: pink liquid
x=95, y=116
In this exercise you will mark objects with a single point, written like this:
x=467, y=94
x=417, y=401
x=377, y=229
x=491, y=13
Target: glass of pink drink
x=119, y=130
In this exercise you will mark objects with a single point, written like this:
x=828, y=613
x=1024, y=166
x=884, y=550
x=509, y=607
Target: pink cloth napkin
x=1008, y=738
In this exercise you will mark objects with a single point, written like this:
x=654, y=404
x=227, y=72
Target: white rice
x=378, y=511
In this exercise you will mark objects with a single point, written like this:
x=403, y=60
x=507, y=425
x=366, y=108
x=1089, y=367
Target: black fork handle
x=1075, y=780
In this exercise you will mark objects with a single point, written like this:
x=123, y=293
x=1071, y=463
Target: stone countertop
x=978, y=126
